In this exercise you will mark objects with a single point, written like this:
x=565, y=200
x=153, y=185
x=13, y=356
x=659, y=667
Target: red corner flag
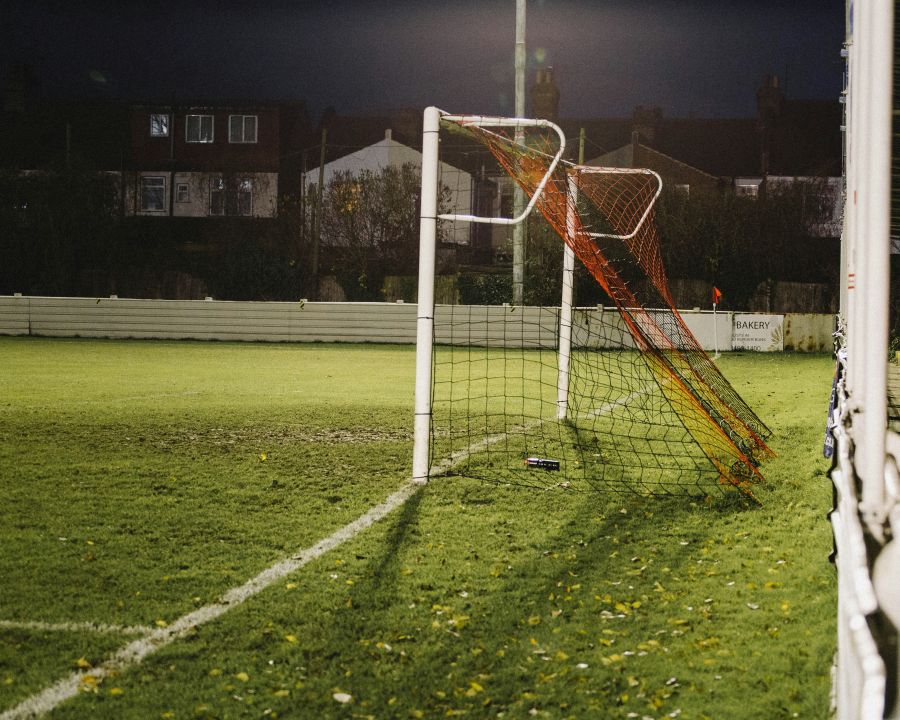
x=717, y=295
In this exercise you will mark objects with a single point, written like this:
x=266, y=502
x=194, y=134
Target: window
x=159, y=125
x=245, y=197
x=198, y=128
x=747, y=187
x=217, y=197
x=182, y=192
x=153, y=194
x=231, y=197
x=242, y=128
x=683, y=189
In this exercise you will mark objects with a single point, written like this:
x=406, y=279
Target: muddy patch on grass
x=277, y=436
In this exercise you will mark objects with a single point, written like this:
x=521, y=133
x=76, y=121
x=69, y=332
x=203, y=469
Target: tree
x=370, y=226
x=740, y=242
x=58, y=231
x=262, y=259
x=734, y=242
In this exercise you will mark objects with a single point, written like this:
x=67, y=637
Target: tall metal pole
x=518, y=193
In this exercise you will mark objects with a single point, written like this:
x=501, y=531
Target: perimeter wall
x=114, y=317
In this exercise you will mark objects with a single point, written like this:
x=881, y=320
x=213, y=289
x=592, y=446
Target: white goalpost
x=427, y=253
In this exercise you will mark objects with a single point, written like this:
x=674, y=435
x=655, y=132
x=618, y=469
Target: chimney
x=769, y=104
x=387, y=134
x=545, y=96
x=769, y=100
x=645, y=122
x=21, y=87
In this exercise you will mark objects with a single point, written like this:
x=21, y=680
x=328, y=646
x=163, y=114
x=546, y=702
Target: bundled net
x=639, y=406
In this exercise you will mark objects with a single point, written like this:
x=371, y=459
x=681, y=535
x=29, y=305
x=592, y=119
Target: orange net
x=605, y=216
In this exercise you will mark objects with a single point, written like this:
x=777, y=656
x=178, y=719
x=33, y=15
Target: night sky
x=689, y=57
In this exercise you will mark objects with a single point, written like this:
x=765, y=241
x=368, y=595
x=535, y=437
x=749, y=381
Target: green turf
x=133, y=489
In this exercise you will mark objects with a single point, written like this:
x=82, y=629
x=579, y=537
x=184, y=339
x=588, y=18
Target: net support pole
x=425, y=302
x=565, y=306
x=518, y=193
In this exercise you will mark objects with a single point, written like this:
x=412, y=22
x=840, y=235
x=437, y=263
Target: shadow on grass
x=569, y=572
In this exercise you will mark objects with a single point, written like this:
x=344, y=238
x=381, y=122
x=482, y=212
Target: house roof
x=806, y=139
x=347, y=134
x=803, y=139
x=387, y=152
x=724, y=148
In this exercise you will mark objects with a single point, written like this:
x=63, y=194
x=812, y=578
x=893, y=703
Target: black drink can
x=542, y=463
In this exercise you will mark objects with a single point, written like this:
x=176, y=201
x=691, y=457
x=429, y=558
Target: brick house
x=203, y=161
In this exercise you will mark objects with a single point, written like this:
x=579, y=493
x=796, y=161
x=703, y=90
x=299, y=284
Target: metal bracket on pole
x=488, y=121
x=591, y=170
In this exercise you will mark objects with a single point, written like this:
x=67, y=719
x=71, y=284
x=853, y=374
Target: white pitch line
x=75, y=627
x=613, y=404
x=134, y=652
x=465, y=453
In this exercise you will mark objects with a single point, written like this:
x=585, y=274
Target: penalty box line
x=134, y=652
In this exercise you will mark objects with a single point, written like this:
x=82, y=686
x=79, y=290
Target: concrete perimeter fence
x=301, y=321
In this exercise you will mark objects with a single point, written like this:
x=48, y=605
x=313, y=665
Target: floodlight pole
x=425, y=303
x=518, y=193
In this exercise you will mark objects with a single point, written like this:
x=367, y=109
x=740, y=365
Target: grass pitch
x=139, y=481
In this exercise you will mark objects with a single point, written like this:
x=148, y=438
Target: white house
x=390, y=153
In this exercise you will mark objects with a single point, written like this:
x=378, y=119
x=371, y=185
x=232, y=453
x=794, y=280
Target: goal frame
x=429, y=218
